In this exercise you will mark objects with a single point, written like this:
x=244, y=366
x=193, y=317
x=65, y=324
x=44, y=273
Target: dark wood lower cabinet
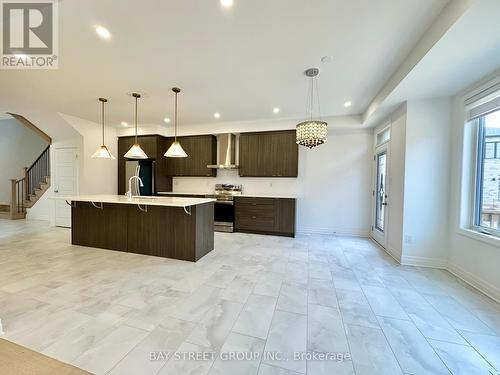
x=265, y=215
x=161, y=231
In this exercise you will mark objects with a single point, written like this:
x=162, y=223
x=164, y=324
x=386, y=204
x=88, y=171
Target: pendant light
x=175, y=150
x=136, y=151
x=312, y=133
x=102, y=152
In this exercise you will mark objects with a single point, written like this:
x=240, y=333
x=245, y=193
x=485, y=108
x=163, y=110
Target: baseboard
x=335, y=232
x=37, y=217
x=409, y=260
x=390, y=251
x=482, y=285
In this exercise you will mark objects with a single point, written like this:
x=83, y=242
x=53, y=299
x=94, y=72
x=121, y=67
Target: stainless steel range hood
x=226, y=145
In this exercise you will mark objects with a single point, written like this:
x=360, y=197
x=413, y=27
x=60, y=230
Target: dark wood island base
x=162, y=231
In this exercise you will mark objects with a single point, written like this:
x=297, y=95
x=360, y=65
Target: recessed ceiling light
x=103, y=32
x=124, y=123
x=226, y=3
x=217, y=115
x=326, y=59
x=347, y=104
x=167, y=120
x=276, y=110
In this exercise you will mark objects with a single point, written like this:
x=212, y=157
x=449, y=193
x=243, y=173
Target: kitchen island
x=169, y=227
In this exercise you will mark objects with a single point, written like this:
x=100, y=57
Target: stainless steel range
x=224, y=206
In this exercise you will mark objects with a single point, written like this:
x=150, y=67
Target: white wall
x=426, y=193
x=95, y=176
x=473, y=257
x=19, y=148
x=334, y=185
x=396, y=186
x=419, y=166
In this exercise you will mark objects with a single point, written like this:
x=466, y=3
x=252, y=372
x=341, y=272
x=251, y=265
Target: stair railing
x=36, y=174
x=33, y=177
x=17, y=197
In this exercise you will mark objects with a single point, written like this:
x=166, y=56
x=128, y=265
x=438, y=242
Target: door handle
x=56, y=191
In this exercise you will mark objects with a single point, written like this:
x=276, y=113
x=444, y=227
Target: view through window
x=487, y=205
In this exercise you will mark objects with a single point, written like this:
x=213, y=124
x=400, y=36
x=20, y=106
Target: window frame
x=479, y=152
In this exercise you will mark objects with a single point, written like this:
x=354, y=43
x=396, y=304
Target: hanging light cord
x=175, y=116
x=136, y=120
x=313, y=90
x=102, y=123
x=308, y=115
x=317, y=97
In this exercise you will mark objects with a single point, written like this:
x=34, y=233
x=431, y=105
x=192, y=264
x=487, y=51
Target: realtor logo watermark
x=29, y=34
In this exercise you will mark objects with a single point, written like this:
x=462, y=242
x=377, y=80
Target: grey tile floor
x=106, y=311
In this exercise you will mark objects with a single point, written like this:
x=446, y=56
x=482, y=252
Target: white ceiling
x=468, y=52
x=240, y=62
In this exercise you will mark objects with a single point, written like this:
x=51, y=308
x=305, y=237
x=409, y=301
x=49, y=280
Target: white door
x=65, y=183
x=380, y=194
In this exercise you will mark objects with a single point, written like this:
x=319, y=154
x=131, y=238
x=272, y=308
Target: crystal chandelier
x=312, y=133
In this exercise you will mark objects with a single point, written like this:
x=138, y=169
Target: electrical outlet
x=270, y=184
x=408, y=240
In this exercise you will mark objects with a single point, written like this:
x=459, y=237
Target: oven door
x=224, y=216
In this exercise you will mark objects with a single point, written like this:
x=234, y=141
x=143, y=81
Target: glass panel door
x=380, y=192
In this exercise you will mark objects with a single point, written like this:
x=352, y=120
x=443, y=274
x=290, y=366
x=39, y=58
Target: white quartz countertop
x=144, y=200
x=183, y=193
x=242, y=195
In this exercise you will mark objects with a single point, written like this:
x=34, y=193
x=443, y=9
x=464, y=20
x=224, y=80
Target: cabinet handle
x=254, y=217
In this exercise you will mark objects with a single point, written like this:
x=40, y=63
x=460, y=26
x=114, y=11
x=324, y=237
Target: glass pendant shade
x=311, y=133
x=175, y=151
x=136, y=152
x=102, y=152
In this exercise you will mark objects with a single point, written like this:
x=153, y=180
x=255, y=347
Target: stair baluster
x=24, y=191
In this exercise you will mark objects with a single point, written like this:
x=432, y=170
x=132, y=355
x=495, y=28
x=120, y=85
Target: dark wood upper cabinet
x=154, y=146
x=201, y=150
x=268, y=154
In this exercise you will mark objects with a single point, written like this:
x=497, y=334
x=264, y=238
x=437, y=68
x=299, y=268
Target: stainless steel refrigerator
x=145, y=169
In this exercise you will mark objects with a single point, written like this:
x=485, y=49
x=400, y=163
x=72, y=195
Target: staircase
x=28, y=190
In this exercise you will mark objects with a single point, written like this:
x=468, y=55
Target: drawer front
x=254, y=223
x=255, y=214
x=261, y=210
x=255, y=201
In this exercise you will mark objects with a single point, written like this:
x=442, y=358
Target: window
x=385, y=136
x=492, y=148
x=487, y=192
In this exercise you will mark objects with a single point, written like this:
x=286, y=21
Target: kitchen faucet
x=129, y=192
